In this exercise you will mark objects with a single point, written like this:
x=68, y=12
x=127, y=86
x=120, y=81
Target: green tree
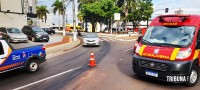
x=81, y=2
x=98, y=11
x=141, y=13
x=109, y=8
x=58, y=7
x=80, y=18
x=80, y=6
x=126, y=6
x=42, y=12
x=90, y=11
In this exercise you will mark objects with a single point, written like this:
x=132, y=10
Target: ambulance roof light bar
x=183, y=17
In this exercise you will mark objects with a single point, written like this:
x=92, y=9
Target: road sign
x=116, y=16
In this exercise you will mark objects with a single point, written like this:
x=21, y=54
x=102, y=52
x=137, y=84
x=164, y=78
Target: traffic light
x=166, y=10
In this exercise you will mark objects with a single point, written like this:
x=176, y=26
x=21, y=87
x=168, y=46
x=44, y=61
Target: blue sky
x=55, y=18
x=188, y=7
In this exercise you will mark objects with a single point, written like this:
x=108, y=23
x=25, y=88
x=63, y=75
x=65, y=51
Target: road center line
x=128, y=49
x=56, y=75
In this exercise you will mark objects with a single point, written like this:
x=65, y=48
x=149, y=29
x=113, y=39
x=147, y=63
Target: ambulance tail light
x=184, y=54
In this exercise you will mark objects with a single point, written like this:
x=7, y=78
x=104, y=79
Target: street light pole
x=63, y=16
x=74, y=21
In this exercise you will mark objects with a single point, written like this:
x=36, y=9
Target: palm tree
x=80, y=18
x=127, y=5
x=42, y=12
x=58, y=6
x=81, y=2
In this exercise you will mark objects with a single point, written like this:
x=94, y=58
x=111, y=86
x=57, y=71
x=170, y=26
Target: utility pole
x=74, y=21
x=63, y=16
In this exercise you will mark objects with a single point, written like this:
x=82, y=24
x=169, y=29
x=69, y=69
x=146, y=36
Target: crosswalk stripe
x=100, y=39
x=111, y=39
x=105, y=39
x=114, y=39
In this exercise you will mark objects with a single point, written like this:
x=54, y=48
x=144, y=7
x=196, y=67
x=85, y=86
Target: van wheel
x=32, y=66
x=33, y=39
x=193, y=77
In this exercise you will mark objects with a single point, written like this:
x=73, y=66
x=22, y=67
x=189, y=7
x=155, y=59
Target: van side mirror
x=139, y=38
x=198, y=44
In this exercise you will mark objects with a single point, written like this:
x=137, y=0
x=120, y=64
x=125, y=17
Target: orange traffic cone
x=92, y=62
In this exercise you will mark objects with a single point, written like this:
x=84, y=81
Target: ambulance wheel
x=193, y=77
x=32, y=66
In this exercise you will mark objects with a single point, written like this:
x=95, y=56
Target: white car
x=91, y=39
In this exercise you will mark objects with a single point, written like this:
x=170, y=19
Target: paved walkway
x=118, y=37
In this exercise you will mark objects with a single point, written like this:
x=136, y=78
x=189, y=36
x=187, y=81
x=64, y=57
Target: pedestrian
x=79, y=33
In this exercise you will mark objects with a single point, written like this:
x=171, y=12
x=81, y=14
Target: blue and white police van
x=15, y=56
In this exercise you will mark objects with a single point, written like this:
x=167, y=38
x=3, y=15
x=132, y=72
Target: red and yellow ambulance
x=169, y=50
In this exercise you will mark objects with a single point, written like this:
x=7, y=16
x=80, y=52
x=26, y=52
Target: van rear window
x=1, y=49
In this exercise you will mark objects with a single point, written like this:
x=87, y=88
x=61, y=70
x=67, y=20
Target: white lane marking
x=36, y=82
x=128, y=49
x=60, y=53
x=113, y=39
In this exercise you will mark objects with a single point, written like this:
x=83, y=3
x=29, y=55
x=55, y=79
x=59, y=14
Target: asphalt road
x=114, y=72
x=60, y=70
x=71, y=72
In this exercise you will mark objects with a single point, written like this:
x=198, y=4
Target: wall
x=13, y=12
x=12, y=5
x=13, y=20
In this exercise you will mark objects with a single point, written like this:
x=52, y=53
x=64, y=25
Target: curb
x=58, y=49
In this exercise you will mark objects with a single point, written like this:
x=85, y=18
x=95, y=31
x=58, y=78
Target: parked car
x=114, y=29
x=13, y=35
x=4, y=35
x=91, y=39
x=35, y=33
x=49, y=30
x=27, y=57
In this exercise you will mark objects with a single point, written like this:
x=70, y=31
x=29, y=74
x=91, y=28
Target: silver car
x=91, y=39
x=16, y=35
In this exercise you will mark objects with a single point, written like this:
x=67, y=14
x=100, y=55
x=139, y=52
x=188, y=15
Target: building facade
x=16, y=13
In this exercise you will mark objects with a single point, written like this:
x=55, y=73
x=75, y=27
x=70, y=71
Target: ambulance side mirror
x=139, y=38
x=198, y=44
x=198, y=41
